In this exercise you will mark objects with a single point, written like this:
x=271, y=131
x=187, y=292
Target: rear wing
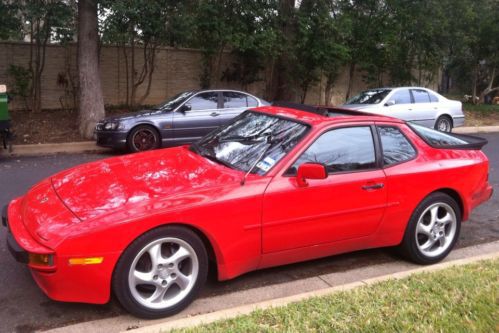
x=441, y=140
x=472, y=142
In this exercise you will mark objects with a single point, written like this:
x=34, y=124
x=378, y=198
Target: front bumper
x=111, y=139
x=14, y=248
x=68, y=283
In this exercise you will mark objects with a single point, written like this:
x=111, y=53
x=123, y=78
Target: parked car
x=182, y=119
x=272, y=187
x=418, y=105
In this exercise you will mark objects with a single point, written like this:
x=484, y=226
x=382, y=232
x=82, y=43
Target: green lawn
x=486, y=108
x=458, y=299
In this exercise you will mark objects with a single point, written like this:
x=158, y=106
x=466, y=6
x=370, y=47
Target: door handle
x=214, y=114
x=376, y=186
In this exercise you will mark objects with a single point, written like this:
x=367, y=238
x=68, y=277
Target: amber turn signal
x=86, y=261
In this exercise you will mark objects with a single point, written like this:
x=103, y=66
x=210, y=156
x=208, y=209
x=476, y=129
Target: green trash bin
x=5, y=134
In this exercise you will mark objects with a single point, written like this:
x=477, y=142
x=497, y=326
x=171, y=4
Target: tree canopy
x=289, y=44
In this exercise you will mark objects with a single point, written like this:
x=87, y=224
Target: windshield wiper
x=242, y=139
x=269, y=141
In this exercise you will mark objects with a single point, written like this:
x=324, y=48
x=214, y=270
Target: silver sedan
x=419, y=105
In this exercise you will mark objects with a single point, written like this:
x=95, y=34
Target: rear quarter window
x=396, y=147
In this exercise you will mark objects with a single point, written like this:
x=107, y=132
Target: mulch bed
x=57, y=126
x=48, y=126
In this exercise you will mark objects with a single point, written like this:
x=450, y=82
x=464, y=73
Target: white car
x=418, y=105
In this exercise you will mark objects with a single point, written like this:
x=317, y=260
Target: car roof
x=331, y=115
x=220, y=89
x=394, y=88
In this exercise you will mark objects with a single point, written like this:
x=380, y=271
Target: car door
x=197, y=117
x=233, y=103
x=424, y=112
x=399, y=105
x=348, y=204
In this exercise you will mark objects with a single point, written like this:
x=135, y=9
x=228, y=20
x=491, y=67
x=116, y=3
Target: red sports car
x=277, y=185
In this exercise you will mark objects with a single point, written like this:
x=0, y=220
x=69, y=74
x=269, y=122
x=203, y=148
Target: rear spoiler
x=473, y=142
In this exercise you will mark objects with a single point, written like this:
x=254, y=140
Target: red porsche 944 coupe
x=276, y=185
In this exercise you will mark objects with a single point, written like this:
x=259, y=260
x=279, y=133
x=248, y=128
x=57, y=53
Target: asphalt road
x=24, y=308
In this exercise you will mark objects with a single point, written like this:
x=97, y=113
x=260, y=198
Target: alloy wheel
x=444, y=125
x=163, y=273
x=144, y=139
x=436, y=229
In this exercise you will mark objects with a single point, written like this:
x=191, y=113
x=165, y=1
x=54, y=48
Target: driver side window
x=341, y=150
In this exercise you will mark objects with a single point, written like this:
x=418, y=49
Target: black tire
x=123, y=272
x=143, y=138
x=444, y=124
x=410, y=248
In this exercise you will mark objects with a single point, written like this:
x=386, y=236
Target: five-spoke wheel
x=160, y=273
x=432, y=230
x=436, y=229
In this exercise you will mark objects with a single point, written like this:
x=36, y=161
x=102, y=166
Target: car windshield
x=175, y=101
x=253, y=142
x=373, y=96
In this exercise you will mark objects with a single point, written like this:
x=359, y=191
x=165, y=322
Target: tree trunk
x=150, y=61
x=328, y=91
x=474, y=83
x=489, y=87
x=281, y=78
x=351, y=74
x=91, y=101
x=127, y=76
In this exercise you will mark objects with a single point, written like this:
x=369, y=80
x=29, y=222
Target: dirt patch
x=480, y=118
x=48, y=126
x=57, y=126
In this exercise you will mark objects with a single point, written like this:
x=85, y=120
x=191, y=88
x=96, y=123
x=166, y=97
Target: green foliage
x=473, y=44
x=48, y=20
x=319, y=47
x=255, y=40
x=290, y=44
x=10, y=23
x=20, y=81
x=214, y=27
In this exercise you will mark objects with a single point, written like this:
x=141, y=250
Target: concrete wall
x=176, y=70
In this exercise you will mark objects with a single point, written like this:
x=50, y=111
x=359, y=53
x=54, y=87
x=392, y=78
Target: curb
x=246, y=309
x=54, y=148
x=476, y=129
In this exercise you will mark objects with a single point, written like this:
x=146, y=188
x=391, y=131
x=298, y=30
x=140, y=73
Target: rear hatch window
x=443, y=140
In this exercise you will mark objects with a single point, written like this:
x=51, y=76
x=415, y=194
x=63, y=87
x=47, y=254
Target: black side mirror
x=184, y=108
x=390, y=103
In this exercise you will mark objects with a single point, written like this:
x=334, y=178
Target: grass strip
x=457, y=299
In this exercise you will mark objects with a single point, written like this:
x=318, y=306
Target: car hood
x=134, y=115
x=120, y=183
